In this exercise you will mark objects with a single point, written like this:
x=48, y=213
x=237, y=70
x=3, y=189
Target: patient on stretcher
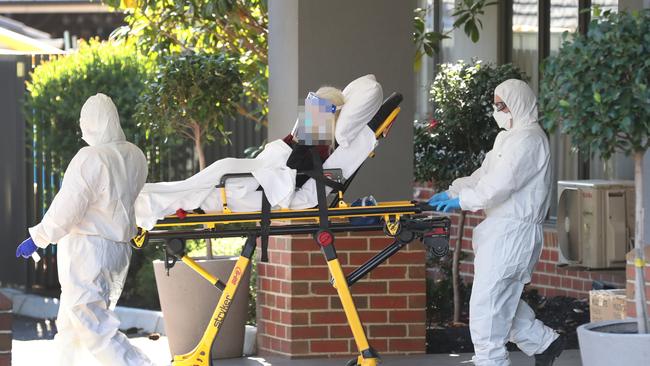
x=350, y=109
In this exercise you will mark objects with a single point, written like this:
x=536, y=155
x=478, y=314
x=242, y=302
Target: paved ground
x=32, y=345
x=569, y=358
x=39, y=352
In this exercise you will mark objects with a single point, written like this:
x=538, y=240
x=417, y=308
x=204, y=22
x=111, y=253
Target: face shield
x=316, y=126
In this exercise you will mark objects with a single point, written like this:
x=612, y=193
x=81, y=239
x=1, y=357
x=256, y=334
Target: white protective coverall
x=92, y=219
x=512, y=187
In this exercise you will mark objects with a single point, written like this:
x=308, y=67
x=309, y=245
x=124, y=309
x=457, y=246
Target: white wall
x=632, y=4
x=283, y=81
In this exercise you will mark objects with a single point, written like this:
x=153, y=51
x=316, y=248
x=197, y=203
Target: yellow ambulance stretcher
x=404, y=221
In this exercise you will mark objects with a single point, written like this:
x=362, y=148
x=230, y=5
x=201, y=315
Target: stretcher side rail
x=312, y=213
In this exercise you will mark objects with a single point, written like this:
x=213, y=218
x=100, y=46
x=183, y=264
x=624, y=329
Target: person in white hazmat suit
x=512, y=187
x=91, y=219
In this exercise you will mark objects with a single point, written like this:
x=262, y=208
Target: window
x=525, y=31
x=565, y=163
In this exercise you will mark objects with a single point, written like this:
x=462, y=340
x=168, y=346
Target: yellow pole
x=348, y=304
x=200, y=270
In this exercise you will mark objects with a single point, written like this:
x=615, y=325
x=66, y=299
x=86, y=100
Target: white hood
x=521, y=102
x=100, y=122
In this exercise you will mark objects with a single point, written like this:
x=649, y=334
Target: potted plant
x=188, y=301
x=597, y=91
x=190, y=96
x=454, y=142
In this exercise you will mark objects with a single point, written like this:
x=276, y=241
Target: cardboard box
x=607, y=305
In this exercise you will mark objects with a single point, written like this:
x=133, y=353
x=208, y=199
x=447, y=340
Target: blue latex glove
x=438, y=197
x=26, y=248
x=448, y=205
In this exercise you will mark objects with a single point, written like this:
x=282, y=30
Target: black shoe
x=553, y=351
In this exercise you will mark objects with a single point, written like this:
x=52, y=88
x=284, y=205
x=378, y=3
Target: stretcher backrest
x=380, y=123
x=387, y=114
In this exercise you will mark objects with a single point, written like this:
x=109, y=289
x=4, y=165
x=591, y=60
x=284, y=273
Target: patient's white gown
x=269, y=170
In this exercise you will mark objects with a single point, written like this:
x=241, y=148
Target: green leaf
x=596, y=11
x=462, y=21
x=419, y=25
x=597, y=97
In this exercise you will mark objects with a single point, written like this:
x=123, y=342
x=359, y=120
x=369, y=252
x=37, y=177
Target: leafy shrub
x=462, y=130
x=59, y=88
x=191, y=96
x=597, y=88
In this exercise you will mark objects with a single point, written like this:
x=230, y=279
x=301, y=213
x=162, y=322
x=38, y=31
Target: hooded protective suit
x=512, y=187
x=92, y=219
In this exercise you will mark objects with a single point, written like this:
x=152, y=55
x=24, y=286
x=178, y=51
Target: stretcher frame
x=402, y=220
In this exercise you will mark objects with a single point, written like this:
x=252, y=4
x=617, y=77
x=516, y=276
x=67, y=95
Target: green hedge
x=58, y=89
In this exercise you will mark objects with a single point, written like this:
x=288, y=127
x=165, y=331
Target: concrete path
x=40, y=352
x=569, y=358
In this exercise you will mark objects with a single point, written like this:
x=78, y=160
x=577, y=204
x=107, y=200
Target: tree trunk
x=454, y=268
x=198, y=148
x=639, y=246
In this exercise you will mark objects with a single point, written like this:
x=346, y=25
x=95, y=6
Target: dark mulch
x=561, y=313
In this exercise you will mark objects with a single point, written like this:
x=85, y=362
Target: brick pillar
x=299, y=313
x=631, y=281
x=5, y=330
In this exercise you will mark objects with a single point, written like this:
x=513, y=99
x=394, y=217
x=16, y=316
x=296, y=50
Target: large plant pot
x=613, y=342
x=188, y=302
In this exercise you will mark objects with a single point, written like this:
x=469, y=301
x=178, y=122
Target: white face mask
x=504, y=119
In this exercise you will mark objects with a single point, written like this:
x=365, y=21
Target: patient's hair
x=332, y=94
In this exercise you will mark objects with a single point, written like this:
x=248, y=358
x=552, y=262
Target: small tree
x=454, y=143
x=191, y=95
x=597, y=90
x=236, y=27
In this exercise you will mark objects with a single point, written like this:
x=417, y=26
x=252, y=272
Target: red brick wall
x=631, y=281
x=300, y=315
x=5, y=330
x=548, y=278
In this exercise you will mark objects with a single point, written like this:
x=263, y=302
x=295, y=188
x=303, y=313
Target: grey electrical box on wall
x=595, y=223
